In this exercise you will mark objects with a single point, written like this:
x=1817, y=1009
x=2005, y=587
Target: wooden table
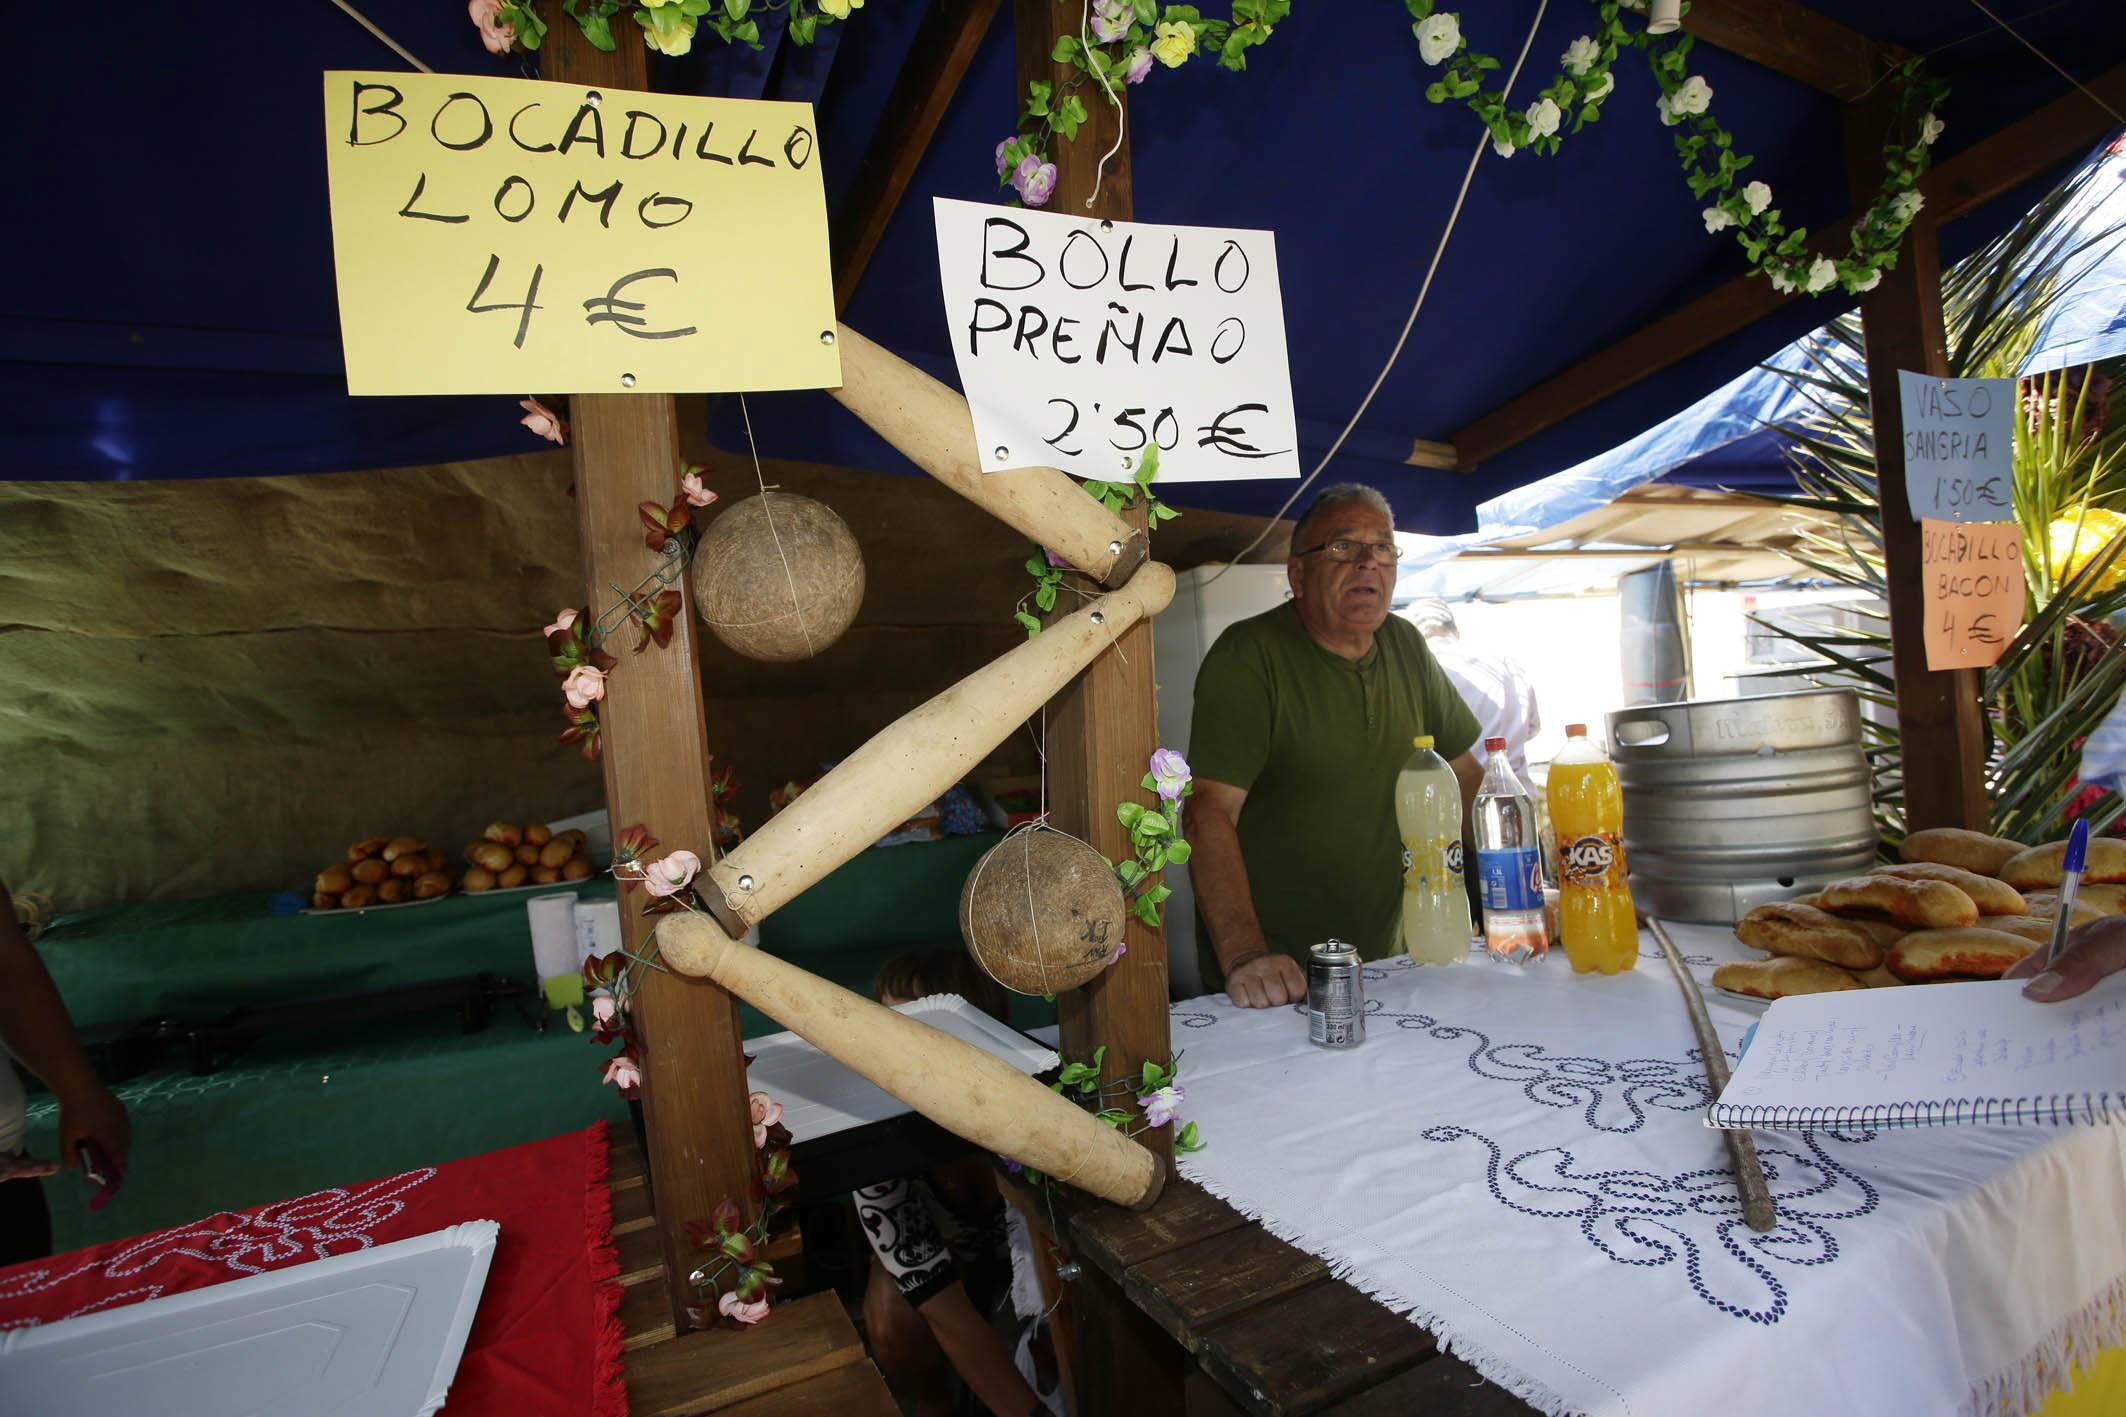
x=1269, y=1329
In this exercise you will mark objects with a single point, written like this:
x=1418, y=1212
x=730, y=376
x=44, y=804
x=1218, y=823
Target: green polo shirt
x=1317, y=740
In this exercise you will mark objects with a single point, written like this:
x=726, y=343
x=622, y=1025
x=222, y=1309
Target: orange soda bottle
x=1596, y=922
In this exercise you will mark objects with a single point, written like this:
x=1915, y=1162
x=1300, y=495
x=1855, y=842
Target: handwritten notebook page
x=1932, y=1055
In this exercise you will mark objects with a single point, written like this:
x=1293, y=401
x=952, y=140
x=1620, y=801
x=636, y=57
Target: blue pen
x=2070, y=882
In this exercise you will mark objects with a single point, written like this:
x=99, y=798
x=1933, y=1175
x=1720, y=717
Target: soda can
x=1336, y=996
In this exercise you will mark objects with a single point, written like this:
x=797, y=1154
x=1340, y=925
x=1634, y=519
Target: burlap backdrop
x=215, y=685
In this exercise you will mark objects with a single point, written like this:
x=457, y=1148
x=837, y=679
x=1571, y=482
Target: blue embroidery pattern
x=1648, y=1219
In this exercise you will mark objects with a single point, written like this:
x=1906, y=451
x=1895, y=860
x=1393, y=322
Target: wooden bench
x=807, y=1357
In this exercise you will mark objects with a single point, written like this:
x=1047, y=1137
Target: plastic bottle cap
x=1575, y=730
x=1422, y=740
x=1494, y=745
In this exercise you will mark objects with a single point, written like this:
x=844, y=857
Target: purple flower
x=1162, y=1106
x=1110, y=21
x=1054, y=560
x=1013, y=1167
x=1120, y=950
x=1170, y=774
x=1140, y=64
x=1004, y=162
x=1034, y=180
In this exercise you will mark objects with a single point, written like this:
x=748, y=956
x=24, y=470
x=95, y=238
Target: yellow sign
x=509, y=236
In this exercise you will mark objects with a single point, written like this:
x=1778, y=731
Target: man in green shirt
x=1303, y=717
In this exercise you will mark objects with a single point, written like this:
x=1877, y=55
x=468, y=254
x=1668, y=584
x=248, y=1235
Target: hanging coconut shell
x=1042, y=912
x=778, y=577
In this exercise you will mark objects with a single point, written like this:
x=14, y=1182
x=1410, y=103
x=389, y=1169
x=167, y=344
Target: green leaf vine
x=1156, y=1092
x=669, y=27
x=1047, y=568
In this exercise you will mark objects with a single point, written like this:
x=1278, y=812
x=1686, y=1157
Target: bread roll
x=478, y=879
x=332, y=880
x=369, y=870
x=1784, y=928
x=573, y=835
x=360, y=895
x=1923, y=905
x=431, y=885
x=439, y=861
x=410, y=864
x=1953, y=846
x=576, y=868
x=538, y=833
x=324, y=900
x=1927, y=955
x=402, y=846
x=2108, y=897
x=1990, y=896
x=1882, y=932
x=1877, y=978
x=526, y=854
x=491, y=854
x=2037, y=929
x=2042, y=866
x=504, y=832
x=554, y=853
x=367, y=847
x=393, y=891
x=545, y=875
x=513, y=877
x=2046, y=905
x=1782, y=975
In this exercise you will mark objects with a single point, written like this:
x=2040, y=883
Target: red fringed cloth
x=546, y=1339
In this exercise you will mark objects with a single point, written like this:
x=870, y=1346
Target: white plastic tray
x=820, y=1097
x=376, y=1333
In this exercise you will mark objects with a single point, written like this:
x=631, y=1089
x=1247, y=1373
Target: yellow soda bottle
x=1595, y=918
x=1428, y=811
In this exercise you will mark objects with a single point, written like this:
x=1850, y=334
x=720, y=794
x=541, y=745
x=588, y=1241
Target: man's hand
x=1265, y=982
x=94, y=1115
x=2093, y=951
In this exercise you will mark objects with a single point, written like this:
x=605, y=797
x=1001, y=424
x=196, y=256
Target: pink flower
x=1160, y=1107
x=562, y=620
x=1120, y=950
x=697, y=495
x=1034, y=180
x=584, y=686
x=603, y=1010
x=1110, y=20
x=672, y=874
x=734, y=1307
x=1054, y=560
x=1170, y=774
x=494, y=33
x=623, y=1073
x=766, y=1113
x=1140, y=64
x=1004, y=162
x=537, y=416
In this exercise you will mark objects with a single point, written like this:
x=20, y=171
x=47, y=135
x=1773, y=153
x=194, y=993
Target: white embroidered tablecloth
x=1517, y=1160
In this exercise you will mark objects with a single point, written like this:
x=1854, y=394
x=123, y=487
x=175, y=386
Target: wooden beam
x=1793, y=40
x=1941, y=730
x=1101, y=733
x=656, y=763
x=1440, y=457
x=945, y=44
x=1993, y=165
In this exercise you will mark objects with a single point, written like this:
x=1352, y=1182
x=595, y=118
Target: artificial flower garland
x=1156, y=1091
x=1710, y=163
x=668, y=26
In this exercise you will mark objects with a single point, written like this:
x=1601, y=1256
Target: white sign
x=1080, y=342
x=1959, y=447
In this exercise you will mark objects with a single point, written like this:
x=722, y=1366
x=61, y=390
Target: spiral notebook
x=1930, y=1056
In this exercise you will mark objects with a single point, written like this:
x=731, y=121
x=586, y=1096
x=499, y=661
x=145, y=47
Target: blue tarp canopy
x=170, y=311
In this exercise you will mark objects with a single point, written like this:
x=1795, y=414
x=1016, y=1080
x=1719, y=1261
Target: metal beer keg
x=1729, y=803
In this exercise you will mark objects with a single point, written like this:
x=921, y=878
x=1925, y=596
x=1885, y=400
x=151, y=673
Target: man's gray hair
x=1336, y=495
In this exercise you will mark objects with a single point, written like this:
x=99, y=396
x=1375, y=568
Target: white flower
x=1759, y=196
x=1599, y=90
x=1543, y=116
x=1781, y=281
x=1633, y=4
x=1823, y=271
x=1580, y=55
x=1907, y=206
x=1668, y=116
x=1160, y=1106
x=1716, y=219
x=1866, y=283
x=1502, y=147
x=1929, y=129
x=1438, y=36
x=1692, y=97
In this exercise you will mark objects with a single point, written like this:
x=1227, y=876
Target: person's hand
x=20, y=1168
x=93, y=1114
x=2093, y=950
x=1265, y=982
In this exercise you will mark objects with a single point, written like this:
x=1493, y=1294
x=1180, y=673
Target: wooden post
x=1102, y=731
x=656, y=767
x=1940, y=724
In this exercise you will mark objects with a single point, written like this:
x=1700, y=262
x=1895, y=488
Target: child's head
x=914, y=973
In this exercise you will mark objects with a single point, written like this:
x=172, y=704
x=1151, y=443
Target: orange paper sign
x=1972, y=574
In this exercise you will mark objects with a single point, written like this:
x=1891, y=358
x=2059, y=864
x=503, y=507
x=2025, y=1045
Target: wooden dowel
x=1757, y=1208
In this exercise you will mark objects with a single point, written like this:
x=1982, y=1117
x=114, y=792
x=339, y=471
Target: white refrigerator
x=1205, y=602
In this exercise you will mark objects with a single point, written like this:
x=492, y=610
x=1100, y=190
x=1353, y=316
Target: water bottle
x=1509, y=862
x=1428, y=811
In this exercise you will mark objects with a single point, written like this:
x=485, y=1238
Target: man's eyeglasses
x=1387, y=553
